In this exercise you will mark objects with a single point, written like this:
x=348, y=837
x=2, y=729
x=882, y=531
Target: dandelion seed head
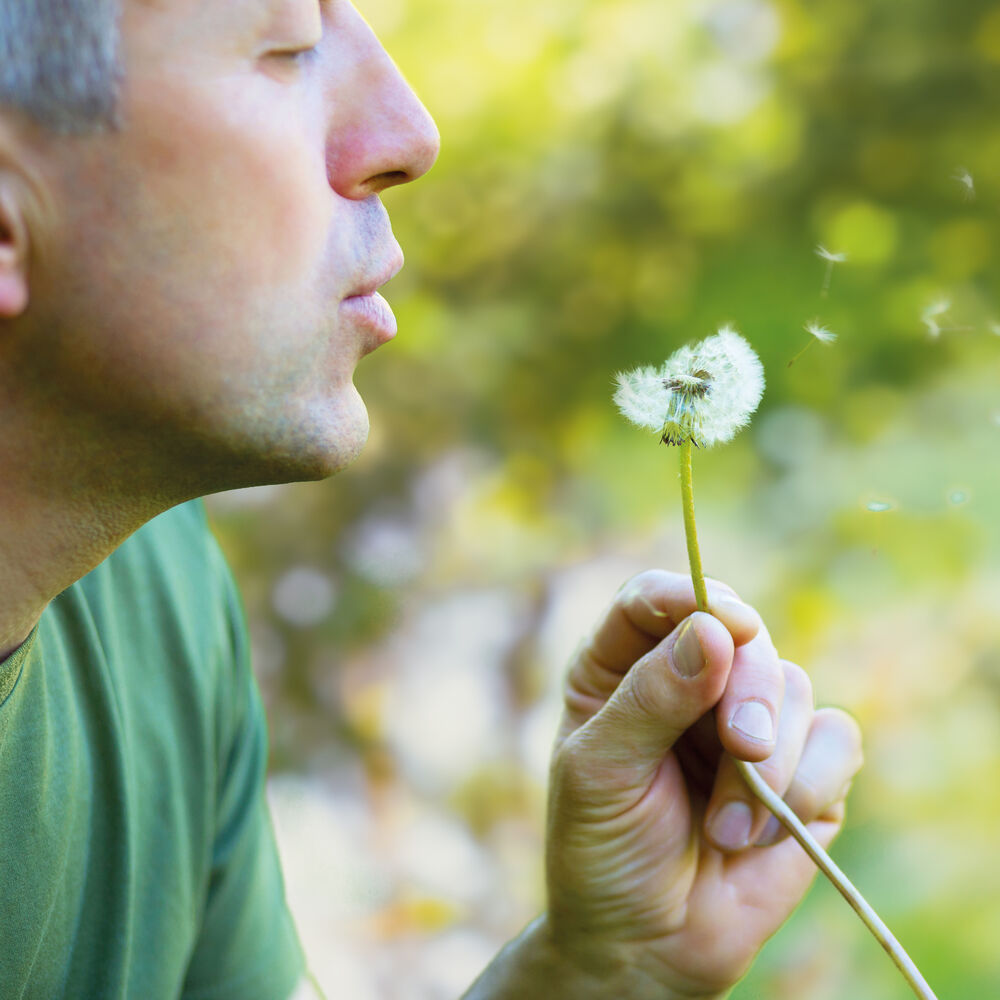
x=833, y=258
x=697, y=384
x=821, y=333
x=703, y=393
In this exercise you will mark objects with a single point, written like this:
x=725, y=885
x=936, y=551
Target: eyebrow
x=273, y=6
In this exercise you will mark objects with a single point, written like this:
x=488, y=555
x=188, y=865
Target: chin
x=329, y=445
x=306, y=444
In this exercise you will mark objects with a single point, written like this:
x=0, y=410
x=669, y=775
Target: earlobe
x=13, y=257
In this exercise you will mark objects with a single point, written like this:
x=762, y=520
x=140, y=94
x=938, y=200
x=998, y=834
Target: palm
x=658, y=886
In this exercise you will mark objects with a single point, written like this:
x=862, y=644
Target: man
x=191, y=239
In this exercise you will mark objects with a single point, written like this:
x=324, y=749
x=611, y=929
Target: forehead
x=208, y=11
x=159, y=27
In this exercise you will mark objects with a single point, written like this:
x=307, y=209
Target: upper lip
x=389, y=271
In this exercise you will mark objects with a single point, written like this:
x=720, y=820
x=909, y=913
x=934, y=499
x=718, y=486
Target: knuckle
x=720, y=587
x=650, y=579
x=643, y=692
x=654, y=590
x=568, y=770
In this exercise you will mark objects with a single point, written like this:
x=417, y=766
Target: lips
x=373, y=313
x=385, y=274
x=370, y=310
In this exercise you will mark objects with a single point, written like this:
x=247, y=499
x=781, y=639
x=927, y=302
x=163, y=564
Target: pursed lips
x=385, y=274
x=369, y=310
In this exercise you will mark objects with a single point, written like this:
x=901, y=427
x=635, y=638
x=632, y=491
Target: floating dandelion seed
x=879, y=506
x=831, y=259
x=700, y=396
x=957, y=497
x=929, y=317
x=820, y=333
x=994, y=328
x=968, y=184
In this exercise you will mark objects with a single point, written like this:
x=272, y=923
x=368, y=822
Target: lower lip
x=374, y=313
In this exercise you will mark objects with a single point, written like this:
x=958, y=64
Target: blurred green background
x=619, y=177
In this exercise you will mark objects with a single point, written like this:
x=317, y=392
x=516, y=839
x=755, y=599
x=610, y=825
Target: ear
x=13, y=251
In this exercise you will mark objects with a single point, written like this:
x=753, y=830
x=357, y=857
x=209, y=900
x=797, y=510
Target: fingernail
x=688, y=659
x=770, y=833
x=730, y=828
x=753, y=720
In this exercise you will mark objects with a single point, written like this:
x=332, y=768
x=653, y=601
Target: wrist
x=534, y=967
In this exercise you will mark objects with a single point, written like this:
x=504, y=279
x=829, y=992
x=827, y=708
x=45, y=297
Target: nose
x=379, y=134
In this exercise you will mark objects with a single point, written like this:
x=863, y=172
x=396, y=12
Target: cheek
x=216, y=259
x=236, y=190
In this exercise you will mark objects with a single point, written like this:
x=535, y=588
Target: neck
x=67, y=500
x=48, y=541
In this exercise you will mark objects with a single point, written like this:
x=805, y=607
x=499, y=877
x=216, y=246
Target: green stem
x=775, y=804
x=840, y=881
x=690, y=530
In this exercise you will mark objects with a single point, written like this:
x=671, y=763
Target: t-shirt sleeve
x=247, y=946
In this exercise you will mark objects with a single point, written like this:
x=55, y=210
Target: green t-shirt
x=137, y=858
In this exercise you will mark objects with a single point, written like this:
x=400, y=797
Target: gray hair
x=59, y=62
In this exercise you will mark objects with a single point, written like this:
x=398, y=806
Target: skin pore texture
x=168, y=329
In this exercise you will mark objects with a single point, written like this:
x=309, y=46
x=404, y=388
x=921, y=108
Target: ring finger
x=735, y=818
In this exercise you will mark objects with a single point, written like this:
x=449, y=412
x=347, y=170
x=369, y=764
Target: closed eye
x=306, y=55
x=292, y=64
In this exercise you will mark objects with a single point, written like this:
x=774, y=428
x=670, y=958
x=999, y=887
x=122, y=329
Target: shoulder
x=165, y=596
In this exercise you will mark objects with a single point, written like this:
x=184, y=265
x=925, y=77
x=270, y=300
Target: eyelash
x=302, y=56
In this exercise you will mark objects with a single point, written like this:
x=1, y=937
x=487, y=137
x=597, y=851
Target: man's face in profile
x=195, y=268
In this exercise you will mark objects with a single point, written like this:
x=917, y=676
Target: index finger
x=650, y=606
x=645, y=611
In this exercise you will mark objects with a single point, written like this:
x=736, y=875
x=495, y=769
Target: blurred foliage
x=619, y=177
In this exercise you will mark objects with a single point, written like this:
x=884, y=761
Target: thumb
x=663, y=694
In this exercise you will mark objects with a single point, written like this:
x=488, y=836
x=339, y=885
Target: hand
x=653, y=880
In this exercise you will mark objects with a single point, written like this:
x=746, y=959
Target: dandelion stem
x=841, y=882
x=771, y=799
x=690, y=530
